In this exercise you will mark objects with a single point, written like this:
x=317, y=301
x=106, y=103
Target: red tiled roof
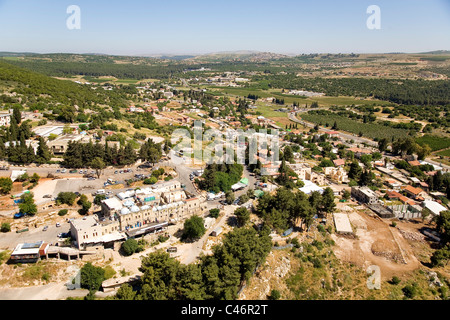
x=339, y=162
x=413, y=190
x=393, y=194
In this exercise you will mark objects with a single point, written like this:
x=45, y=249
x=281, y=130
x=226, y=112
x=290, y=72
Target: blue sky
x=136, y=27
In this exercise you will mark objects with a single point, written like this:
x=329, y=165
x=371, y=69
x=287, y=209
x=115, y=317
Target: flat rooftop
x=342, y=223
x=85, y=222
x=29, y=248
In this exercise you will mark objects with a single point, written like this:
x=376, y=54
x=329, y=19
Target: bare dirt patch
x=376, y=243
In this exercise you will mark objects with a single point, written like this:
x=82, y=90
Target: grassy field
x=369, y=130
x=99, y=80
x=436, y=143
x=445, y=153
x=290, y=99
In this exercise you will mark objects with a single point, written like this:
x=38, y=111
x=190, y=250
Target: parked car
x=45, y=228
x=58, y=225
x=49, y=196
x=19, y=215
x=63, y=171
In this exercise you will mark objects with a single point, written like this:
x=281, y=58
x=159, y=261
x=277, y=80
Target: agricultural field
x=370, y=130
x=444, y=153
x=436, y=143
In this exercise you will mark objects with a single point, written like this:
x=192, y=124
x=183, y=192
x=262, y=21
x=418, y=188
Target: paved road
x=11, y=239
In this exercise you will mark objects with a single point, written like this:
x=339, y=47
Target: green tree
x=214, y=213
x=229, y=197
x=5, y=185
x=98, y=165
x=383, y=144
x=125, y=292
x=441, y=256
x=91, y=277
x=35, y=178
x=27, y=205
x=6, y=227
x=346, y=194
x=66, y=198
x=17, y=115
x=355, y=171
x=43, y=154
x=85, y=205
x=130, y=247
x=194, y=228
x=243, y=216
x=443, y=225
x=328, y=200
x=99, y=198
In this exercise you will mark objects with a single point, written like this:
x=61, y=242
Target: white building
x=434, y=207
x=310, y=187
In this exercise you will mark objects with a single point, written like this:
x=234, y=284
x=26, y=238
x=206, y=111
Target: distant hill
x=15, y=54
x=437, y=52
x=245, y=56
x=32, y=85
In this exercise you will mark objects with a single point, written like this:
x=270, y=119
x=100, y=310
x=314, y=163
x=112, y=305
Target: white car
x=58, y=225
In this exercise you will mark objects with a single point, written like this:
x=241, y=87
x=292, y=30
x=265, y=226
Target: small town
x=223, y=175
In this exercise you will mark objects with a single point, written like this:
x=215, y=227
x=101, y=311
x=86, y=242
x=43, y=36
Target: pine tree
x=43, y=154
x=17, y=115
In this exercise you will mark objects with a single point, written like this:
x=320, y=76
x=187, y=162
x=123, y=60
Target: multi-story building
x=338, y=175
x=364, y=195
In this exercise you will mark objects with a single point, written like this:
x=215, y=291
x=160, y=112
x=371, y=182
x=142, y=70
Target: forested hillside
x=35, y=87
x=410, y=92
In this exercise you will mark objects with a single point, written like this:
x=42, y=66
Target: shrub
x=295, y=242
x=395, y=280
x=410, y=291
x=130, y=246
x=66, y=198
x=151, y=180
x=275, y=295
x=317, y=244
x=62, y=212
x=162, y=239
x=6, y=227
x=214, y=213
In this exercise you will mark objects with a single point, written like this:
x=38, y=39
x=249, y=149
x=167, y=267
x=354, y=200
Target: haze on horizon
x=178, y=27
